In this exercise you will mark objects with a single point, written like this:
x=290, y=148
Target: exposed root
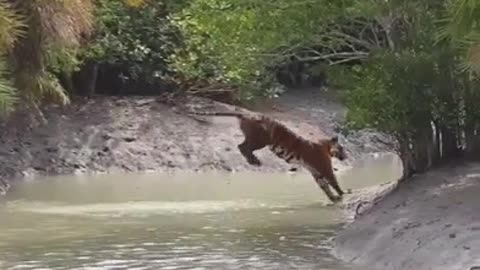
x=368, y=205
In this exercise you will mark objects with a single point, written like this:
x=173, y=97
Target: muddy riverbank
x=429, y=222
x=137, y=134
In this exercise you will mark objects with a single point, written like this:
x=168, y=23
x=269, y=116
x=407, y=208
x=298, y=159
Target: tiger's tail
x=229, y=114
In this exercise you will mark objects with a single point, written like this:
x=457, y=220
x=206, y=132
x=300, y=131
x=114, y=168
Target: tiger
x=260, y=131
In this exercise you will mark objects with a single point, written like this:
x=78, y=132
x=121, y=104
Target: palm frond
x=62, y=21
x=41, y=85
x=8, y=93
x=461, y=27
x=472, y=58
x=12, y=26
x=52, y=25
x=463, y=14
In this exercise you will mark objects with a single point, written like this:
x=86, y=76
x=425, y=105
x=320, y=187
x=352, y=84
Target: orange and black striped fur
x=260, y=131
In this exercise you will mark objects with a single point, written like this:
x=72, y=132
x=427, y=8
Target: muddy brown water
x=181, y=221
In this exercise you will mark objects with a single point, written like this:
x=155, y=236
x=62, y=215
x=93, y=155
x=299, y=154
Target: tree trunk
x=437, y=155
x=67, y=79
x=472, y=138
x=86, y=79
x=472, y=124
x=421, y=149
x=407, y=159
x=91, y=79
x=449, y=143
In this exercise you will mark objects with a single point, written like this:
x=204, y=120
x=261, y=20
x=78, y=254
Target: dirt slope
x=106, y=134
x=430, y=223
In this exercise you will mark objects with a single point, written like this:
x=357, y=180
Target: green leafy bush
x=138, y=38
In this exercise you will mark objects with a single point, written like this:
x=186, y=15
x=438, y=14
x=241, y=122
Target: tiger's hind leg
x=256, y=138
x=247, y=147
x=324, y=185
x=334, y=183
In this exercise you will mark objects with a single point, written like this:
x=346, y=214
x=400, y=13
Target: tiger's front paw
x=336, y=199
x=255, y=162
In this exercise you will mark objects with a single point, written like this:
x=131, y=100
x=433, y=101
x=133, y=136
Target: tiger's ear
x=334, y=139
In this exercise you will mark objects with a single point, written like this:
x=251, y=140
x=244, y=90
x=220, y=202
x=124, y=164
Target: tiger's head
x=336, y=149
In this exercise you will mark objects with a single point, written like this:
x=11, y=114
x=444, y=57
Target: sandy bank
x=430, y=222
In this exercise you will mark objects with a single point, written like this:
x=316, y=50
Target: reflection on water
x=183, y=221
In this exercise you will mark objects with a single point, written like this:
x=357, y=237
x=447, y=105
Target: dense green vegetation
x=131, y=48
x=408, y=68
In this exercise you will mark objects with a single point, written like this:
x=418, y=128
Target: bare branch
x=344, y=55
x=351, y=38
x=346, y=60
x=375, y=36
